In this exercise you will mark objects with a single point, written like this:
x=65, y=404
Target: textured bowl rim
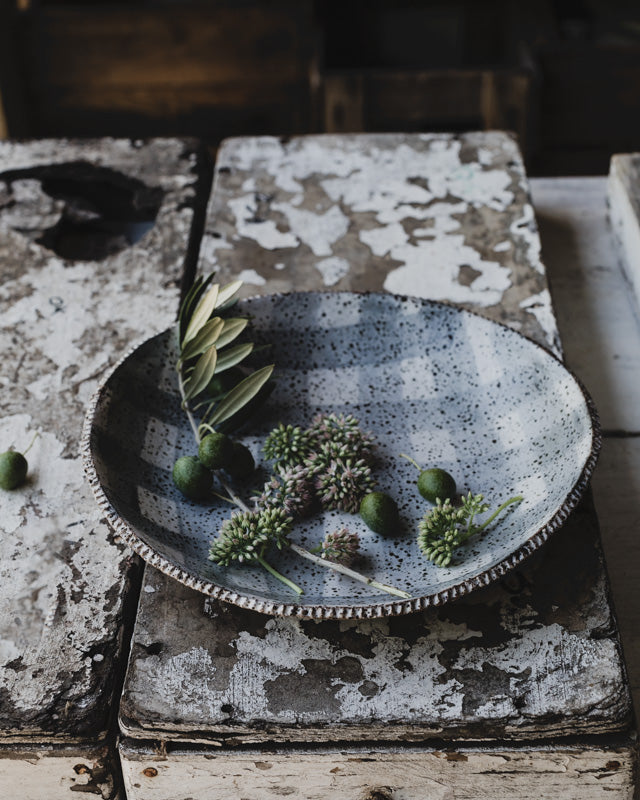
x=358, y=610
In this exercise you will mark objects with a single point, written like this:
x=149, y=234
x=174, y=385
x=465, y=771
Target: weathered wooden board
x=599, y=323
x=125, y=210
x=597, y=315
x=54, y=772
x=445, y=217
x=382, y=774
x=623, y=194
x=533, y=657
x=438, y=216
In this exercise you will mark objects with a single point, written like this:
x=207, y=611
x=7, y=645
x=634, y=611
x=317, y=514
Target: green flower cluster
x=341, y=546
x=446, y=527
x=246, y=535
x=331, y=460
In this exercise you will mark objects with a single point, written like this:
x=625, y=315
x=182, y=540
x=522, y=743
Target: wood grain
x=382, y=774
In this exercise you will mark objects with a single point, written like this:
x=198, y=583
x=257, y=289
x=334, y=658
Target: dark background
x=563, y=74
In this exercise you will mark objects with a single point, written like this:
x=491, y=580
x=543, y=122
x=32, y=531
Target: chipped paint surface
x=437, y=216
x=63, y=322
x=57, y=774
x=513, y=660
x=503, y=773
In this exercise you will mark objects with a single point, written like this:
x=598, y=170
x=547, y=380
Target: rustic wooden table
x=517, y=691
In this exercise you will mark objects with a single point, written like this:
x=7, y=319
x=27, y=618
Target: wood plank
x=221, y=43
x=571, y=773
x=623, y=194
x=66, y=585
x=439, y=216
x=509, y=662
x=54, y=772
x=600, y=327
x=597, y=315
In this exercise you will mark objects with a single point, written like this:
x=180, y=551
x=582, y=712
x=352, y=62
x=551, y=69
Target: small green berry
x=435, y=483
x=215, y=451
x=242, y=463
x=192, y=478
x=223, y=382
x=13, y=469
x=380, y=513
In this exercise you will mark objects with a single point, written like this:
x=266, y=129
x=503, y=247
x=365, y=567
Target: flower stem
x=498, y=510
x=415, y=463
x=278, y=575
x=186, y=408
x=351, y=573
x=35, y=436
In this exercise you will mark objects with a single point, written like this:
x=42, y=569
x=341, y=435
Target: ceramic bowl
x=430, y=380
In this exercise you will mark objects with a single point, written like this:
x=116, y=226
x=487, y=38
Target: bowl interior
x=438, y=383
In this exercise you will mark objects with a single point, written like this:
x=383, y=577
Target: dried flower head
x=287, y=445
x=343, y=483
x=291, y=489
x=445, y=527
x=342, y=431
x=341, y=546
x=246, y=534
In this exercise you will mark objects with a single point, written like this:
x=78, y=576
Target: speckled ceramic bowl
x=444, y=385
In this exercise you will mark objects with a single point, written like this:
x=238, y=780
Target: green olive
x=242, y=463
x=223, y=382
x=215, y=451
x=13, y=469
x=193, y=479
x=380, y=513
x=435, y=483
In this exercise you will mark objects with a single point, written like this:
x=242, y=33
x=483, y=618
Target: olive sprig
x=204, y=335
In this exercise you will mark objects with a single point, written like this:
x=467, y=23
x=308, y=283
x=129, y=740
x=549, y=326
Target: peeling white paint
x=318, y=231
x=250, y=276
x=382, y=240
x=431, y=270
x=540, y=306
x=333, y=269
x=264, y=232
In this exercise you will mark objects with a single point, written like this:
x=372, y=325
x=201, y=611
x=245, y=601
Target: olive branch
x=204, y=337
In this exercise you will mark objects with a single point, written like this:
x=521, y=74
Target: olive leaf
x=226, y=295
x=202, y=374
x=233, y=356
x=240, y=395
x=202, y=312
x=191, y=299
x=207, y=336
x=231, y=330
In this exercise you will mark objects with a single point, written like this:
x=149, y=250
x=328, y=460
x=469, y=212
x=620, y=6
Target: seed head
x=341, y=546
x=343, y=483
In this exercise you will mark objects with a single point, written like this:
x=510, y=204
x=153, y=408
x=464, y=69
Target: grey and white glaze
x=444, y=385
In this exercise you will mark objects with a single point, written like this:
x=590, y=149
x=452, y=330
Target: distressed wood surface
x=565, y=772
x=437, y=216
x=55, y=772
x=515, y=661
x=599, y=322
x=65, y=585
x=623, y=195
x=536, y=656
